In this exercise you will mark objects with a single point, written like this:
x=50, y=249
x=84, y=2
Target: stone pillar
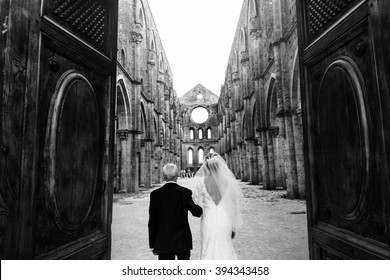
x=241, y=161
x=292, y=176
x=260, y=163
x=267, y=174
x=245, y=163
x=254, y=163
x=122, y=134
x=147, y=162
x=271, y=159
x=297, y=124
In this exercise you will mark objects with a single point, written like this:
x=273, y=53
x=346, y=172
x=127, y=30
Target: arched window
x=161, y=64
x=243, y=39
x=235, y=61
x=141, y=16
x=209, y=133
x=191, y=133
x=123, y=57
x=152, y=46
x=211, y=150
x=200, y=155
x=200, y=133
x=190, y=156
x=253, y=9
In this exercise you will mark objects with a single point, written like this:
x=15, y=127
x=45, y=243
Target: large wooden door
x=58, y=63
x=344, y=50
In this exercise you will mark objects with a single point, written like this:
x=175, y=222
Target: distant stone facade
x=147, y=105
x=255, y=124
x=198, y=139
x=261, y=127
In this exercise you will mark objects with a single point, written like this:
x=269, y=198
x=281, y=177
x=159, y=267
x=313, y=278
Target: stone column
x=271, y=158
x=245, y=163
x=254, y=163
x=260, y=163
x=241, y=161
x=147, y=162
x=267, y=173
x=297, y=124
x=122, y=134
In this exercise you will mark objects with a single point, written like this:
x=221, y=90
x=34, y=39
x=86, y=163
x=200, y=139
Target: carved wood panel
x=72, y=128
x=73, y=149
x=58, y=68
x=87, y=19
x=343, y=119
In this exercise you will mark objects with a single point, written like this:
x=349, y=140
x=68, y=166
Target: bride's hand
x=233, y=234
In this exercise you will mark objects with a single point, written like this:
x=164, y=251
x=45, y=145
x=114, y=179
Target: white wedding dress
x=217, y=192
x=215, y=229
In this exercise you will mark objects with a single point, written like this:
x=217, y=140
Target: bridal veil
x=221, y=185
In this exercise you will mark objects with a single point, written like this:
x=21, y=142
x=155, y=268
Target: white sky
x=197, y=36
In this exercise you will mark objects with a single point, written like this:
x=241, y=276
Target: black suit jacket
x=169, y=231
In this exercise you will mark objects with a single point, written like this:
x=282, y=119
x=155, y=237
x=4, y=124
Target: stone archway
x=122, y=115
x=275, y=143
x=297, y=126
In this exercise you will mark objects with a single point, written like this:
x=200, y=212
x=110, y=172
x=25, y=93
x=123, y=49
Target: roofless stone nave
x=255, y=124
x=84, y=112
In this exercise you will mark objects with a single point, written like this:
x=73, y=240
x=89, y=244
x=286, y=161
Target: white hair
x=170, y=172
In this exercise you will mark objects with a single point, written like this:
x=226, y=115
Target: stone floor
x=274, y=227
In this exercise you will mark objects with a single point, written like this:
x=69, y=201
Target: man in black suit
x=169, y=231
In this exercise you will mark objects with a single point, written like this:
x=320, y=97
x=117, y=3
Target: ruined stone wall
x=146, y=101
x=259, y=106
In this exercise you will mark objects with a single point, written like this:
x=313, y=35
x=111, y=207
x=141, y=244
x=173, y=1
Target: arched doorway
x=121, y=174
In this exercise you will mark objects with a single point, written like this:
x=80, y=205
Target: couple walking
x=215, y=200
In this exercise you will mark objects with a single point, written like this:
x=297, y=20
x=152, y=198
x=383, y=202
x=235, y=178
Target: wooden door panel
x=345, y=155
x=57, y=129
x=72, y=125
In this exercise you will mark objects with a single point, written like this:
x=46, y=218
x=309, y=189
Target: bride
x=217, y=192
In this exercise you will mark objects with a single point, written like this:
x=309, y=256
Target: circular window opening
x=199, y=115
x=199, y=96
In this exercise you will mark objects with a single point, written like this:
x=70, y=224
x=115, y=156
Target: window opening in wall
x=209, y=133
x=123, y=57
x=211, y=150
x=199, y=115
x=191, y=134
x=190, y=156
x=200, y=133
x=141, y=16
x=200, y=155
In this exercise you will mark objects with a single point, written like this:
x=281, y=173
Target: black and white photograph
x=227, y=130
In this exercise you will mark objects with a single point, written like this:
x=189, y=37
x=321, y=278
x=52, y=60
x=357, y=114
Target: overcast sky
x=197, y=36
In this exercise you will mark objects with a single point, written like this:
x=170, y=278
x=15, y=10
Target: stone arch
x=271, y=102
x=152, y=45
x=208, y=133
x=200, y=156
x=192, y=133
x=190, y=156
x=235, y=61
x=141, y=15
x=123, y=58
x=255, y=120
x=252, y=9
x=295, y=91
x=200, y=133
x=295, y=87
x=243, y=39
x=161, y=63
x=122, y=110
x=143, y=120
x=155, y=129
x=275, y=142
x=122, y=119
